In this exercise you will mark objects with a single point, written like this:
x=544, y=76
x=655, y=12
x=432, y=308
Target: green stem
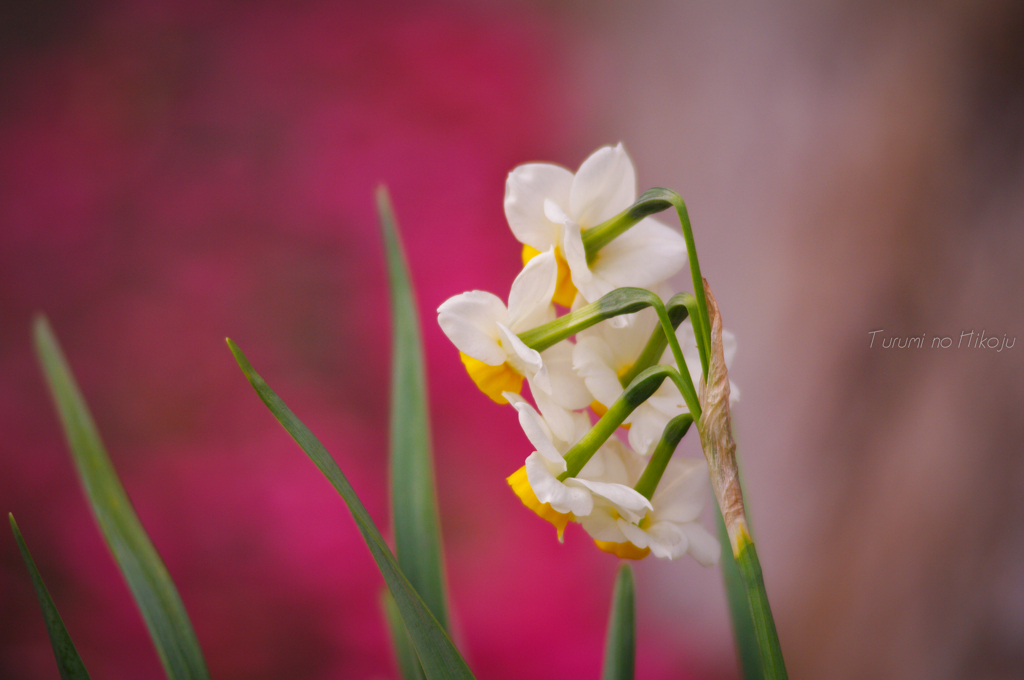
x=678, y=307
x=650, y=202
x=642, y=387
x=616, y=303
x=670, y=438
x=620, y=301
x=764, y=625
x=677, y=351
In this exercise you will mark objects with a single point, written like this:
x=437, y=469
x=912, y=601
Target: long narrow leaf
x=747, y=652
x=437, y=654
x=620, y=644
x=147, y=577
x=772, y=663
x=68, y=661
x=413, y=500
x=408, y=662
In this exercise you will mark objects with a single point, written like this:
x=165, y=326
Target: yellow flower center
x=626, y=551
x=565, y=291
x=493, y=380
x=521, y=487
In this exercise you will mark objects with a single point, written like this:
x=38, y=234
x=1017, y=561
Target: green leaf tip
x=69, y=663
x=411, y=469
x=437, y=655
x=620, y=642
x=140, y=564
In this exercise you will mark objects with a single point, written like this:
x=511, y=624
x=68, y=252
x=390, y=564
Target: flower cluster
x=591, y=250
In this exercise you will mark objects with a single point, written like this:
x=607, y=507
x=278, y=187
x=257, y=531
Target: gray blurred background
x=853, y=167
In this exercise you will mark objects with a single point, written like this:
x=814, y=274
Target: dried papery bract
x=716, y=432
x=720, y=451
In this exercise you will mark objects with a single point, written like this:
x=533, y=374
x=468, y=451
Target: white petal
x=575, y=255
x=633, y=462
x=537, y=431
x=667, y=398
x=627, y=501
x=548, y=489
x=525, y=360
x=470, y=322
x=588, y=285
x=635, y=534
x=593, y=360
x=567, y=388
x=614, y=463
x=667, y=540
x=561, y=421
x=603, y=523
x=644, y=256
x=594, y=289
x=629, y=341
x=530, y=297
x=525, y=191
x=703, y=547
x=646, y=429
x=682, y=491
x=604, y=186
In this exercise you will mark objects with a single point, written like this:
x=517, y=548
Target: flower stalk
x=642, y=387
x=674, y=433
x=650, y=202
x=720, y=451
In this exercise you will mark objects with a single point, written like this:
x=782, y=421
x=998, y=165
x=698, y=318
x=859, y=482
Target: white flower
x=559, y=502
x=485, y=332
x=548, y=206
x=670, y=529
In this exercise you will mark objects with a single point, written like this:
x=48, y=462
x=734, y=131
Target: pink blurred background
x=174, y=173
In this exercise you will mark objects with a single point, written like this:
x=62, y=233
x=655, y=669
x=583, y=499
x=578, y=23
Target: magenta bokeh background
x=173, y=174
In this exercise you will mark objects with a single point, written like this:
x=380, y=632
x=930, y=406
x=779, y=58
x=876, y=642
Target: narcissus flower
x=671, y=529
x=560, y=502
x=484, y=329
x=548, y=207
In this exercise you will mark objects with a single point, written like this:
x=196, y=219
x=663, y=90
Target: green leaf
x=747, y=651
x=147, y=577
x=772, y=663
x=68, y=661
x=437, y=654
x=413, y=500
x=620, y=644
x=408, y=663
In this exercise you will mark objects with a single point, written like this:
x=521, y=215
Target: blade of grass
x=413, y=499
x=68, y=661
x=434, y=648
x=408, y=663
x=147, y=577
x=620, y=643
